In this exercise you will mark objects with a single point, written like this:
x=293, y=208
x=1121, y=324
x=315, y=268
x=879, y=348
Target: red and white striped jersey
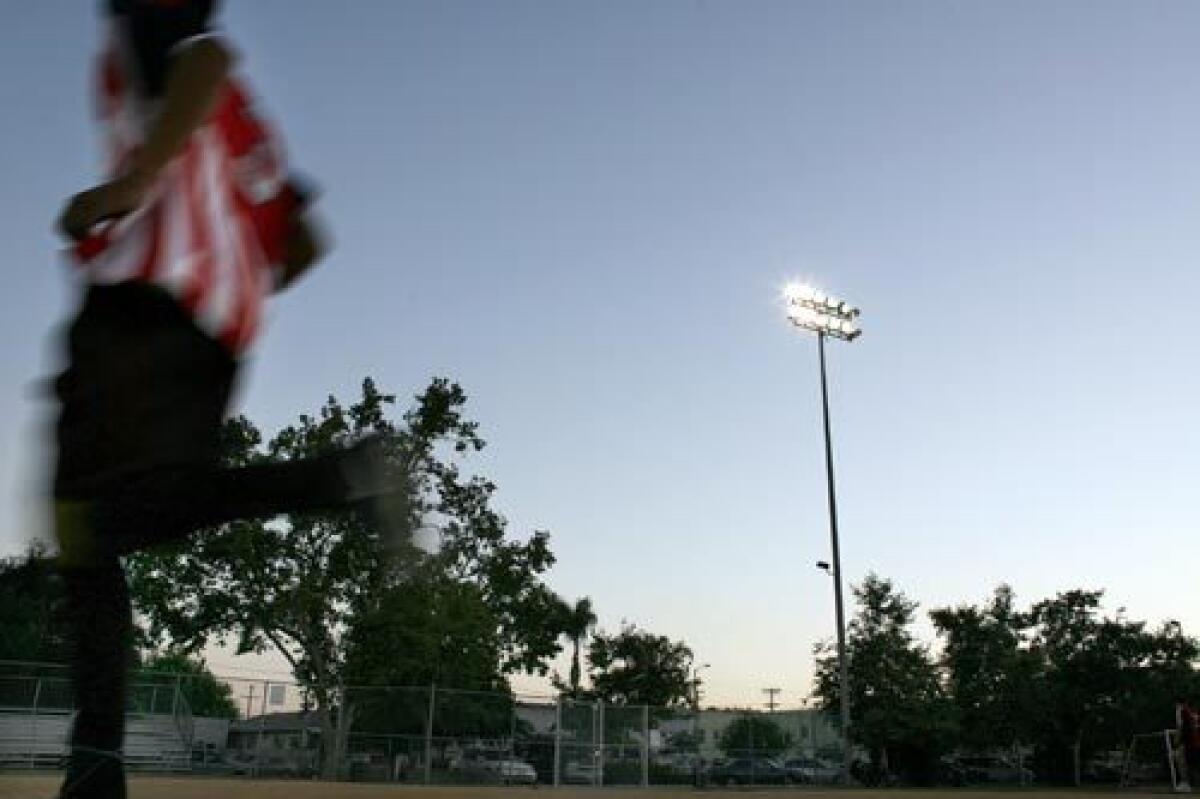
x=211, y=230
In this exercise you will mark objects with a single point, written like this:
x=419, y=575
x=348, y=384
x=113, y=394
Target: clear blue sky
x=584, y=212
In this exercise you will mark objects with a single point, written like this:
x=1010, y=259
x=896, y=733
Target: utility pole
x=771, y=694
x=250, y=700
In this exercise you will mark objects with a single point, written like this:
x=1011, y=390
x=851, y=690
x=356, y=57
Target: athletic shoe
x=373, y=487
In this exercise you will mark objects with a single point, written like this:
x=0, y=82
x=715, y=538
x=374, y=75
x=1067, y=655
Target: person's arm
x=304, y=247
x=197, y=72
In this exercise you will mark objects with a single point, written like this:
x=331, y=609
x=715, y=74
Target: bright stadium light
x=813, y=310
x=821, y=313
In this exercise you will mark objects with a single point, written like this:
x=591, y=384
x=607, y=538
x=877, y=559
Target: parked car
x=992, y=769
x=498, y=767
x=809, y=770
x=749, y=771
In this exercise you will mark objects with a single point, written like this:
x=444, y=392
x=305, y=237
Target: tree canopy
x=1061, y=677
x=206, y=695
x=636, y=667
x=31, y=608
x=327, y=593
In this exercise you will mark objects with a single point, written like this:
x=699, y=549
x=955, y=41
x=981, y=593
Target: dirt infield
x=45, y=786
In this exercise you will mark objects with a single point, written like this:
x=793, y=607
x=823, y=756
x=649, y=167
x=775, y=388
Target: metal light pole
x=813, y=310
x=696, y=761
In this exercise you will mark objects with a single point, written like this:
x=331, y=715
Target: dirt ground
x=44, y=786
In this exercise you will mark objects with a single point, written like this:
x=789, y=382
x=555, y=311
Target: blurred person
x=196, y=224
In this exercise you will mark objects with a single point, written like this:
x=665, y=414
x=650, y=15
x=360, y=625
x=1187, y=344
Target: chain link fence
x=422, y=735
x=267, y=728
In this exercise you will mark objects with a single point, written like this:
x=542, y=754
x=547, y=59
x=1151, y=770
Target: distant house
x=280, y=743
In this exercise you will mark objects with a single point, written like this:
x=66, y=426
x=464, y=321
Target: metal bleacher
x=36, y=715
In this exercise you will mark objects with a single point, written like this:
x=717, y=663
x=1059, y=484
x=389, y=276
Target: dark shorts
x=143, y=388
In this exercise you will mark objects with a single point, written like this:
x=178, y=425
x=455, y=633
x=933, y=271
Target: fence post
x=512, y=730
x=429, y=734
x=175, y=698
x=1170, y=757
x=696, y=770
x=557, y=740
x=262, y=720
x=750, y=728
x=33, y=733
x=645, y=745
x=600, y=745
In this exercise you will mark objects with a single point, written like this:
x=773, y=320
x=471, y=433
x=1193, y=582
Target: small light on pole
x=813, y=310
x=696, y=683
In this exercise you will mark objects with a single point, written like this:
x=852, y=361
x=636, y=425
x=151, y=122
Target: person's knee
x=79, y=546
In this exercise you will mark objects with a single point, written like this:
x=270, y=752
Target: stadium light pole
x=813, y=310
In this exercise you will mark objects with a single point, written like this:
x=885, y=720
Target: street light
x=696, y=684
x=697, y=766
x=813, y=310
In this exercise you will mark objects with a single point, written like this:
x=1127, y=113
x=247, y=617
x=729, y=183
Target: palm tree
x=579, y=623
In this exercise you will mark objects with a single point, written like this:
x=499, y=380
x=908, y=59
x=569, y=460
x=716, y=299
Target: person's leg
x=156, y=403
x=96, y=597
x=100, y=631
x=168, y=503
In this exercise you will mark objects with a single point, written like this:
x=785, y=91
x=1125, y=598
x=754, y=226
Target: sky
x=585, y=212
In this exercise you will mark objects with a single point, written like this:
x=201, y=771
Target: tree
x=205, y=694
x=1103, y=677
x=299, y=588
x=429, y=631
x=754, y=734
x=635, y=667
x=31, y=607
x=579, y=620
x=899, y=711
x=991, y=676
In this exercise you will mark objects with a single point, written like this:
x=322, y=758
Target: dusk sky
x=585, y=212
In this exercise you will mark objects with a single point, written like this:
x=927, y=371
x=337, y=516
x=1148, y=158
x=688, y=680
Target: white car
x=509, y=770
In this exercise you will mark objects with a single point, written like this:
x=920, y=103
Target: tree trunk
x=575, y=671
x=329, y=758
x=345, y=723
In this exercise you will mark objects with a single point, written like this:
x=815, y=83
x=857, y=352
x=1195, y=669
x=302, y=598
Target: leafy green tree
x=578, y=620
x=31, y=607
x=206, y=695
x=754, y=734
x=579, y=625
x=991, y=676
x=1062, y=676
x=636, y=667
x=1166, y=674
x=300, y=587
x=1099, y=674
x=899, y=710
x=428, y=631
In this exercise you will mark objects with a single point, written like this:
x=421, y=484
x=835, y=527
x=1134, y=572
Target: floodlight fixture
x=814, y=310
